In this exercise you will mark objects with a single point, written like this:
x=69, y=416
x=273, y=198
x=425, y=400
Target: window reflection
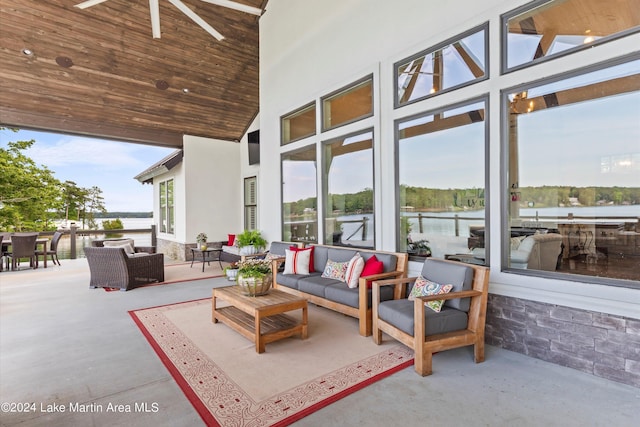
x=441, y=179
x=299, y=196
x=348, y=105
x=299, y=124
x=459, y=62
x=574, y=174
x=535, y=33
x=349, y=213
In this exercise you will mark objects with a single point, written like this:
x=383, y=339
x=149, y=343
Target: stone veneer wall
x=604, y=345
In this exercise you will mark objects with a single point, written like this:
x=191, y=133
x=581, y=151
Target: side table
x=206, y=256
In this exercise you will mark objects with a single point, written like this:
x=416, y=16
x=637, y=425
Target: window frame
x=487, y=161
x=295, y=113
x=167, y=212
x=504, y=176
x=484, y=26
x=345, y=89
x=325, y=182
x=504, y=33
x=311, y=147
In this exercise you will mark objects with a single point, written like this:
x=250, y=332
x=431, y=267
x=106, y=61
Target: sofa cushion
x=278, y=248
x=456, y=274
x=399, y=313
x=320, y=257
x=316, y=285
x=341, y=293
x=291, y=280
x=389, y=261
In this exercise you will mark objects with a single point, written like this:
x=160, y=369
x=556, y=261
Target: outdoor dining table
x=40, y=241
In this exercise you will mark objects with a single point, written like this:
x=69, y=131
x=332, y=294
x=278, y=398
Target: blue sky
x=108, y=165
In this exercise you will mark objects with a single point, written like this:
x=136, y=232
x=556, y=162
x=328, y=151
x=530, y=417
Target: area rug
x=183, y=272
x=229, y=384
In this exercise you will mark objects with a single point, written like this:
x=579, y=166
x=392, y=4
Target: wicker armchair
x=112, y=268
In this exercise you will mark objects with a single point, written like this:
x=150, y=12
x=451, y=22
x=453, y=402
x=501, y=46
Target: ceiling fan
x=154, y=10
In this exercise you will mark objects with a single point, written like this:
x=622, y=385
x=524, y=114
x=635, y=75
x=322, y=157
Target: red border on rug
x=204, y=412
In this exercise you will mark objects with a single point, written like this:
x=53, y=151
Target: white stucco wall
x=309, y=49
x=212, y=193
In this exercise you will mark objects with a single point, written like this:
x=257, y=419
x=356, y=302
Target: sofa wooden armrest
x=425, y=344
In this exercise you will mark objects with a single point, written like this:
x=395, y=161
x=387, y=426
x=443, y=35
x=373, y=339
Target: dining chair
x=23, y=245
x=52, y=251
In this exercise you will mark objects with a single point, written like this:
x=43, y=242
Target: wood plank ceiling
x=99, y=72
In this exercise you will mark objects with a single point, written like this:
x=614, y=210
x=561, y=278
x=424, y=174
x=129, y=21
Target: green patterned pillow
x=424, y=287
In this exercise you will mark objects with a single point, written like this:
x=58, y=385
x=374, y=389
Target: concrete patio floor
x=62, y=343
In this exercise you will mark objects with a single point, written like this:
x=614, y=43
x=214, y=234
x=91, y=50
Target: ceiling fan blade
x=236, y=6
x=89, y=3
x=154, y=10
x=191, y=14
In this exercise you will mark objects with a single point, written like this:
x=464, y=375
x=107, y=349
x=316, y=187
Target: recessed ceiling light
x=185, y=90
x=162, y=85
x=27, y=52
x=64, y=61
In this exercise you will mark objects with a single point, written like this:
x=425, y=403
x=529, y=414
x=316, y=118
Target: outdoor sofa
x=336, y=294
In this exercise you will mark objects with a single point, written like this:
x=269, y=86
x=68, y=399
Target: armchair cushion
x=399, y=313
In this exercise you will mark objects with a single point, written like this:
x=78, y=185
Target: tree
x=30, y=195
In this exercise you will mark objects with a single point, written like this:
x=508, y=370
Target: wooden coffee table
x=261, y=318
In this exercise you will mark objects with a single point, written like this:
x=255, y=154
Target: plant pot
x=255, y=286
x=248, y=250
x=204, y=247
x=231, y=274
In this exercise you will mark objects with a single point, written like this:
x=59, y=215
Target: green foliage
x=30, y=194
x=31, y=197
x=251, y=237
x=115, y=224
x=252, y=267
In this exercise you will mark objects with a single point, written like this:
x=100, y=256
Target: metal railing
x=68, y=244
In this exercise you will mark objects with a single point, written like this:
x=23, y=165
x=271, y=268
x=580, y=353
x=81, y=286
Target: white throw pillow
x=127, y=245
x=296, y=262
x=354, y=270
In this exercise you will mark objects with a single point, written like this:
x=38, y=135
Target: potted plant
x=201, y=238
x=231, y=271
x=254, y=276
x=250, y=242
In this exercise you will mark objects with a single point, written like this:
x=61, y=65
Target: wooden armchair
x=113, y=268
x=461, y=322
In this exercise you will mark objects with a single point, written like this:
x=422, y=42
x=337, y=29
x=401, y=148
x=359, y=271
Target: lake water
x=141, y=239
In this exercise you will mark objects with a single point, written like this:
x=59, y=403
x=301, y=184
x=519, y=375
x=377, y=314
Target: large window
x=167, y=215
x=298, y=124
x=348, y=104
x=573, y=189
x=348, y=190
x=452, y=64
x=441, y=183
x=299, y=196
x=545, y=29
